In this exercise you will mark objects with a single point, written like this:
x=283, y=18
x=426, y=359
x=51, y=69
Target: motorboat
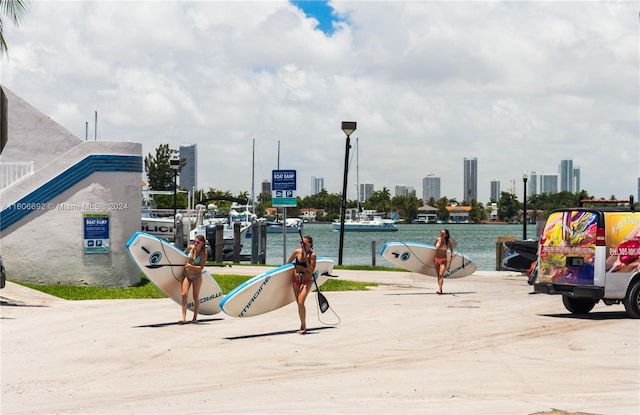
x=228, y=235
x=373, y=224
x=160, y=222
x=521, y=255
x=292, y=225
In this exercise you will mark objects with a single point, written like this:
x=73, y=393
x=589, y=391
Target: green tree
x=379, y=201
x=508, y=206
x=14, y=10
x=441, y=204
x=477, y=213
x=158, y=168
x=406, y=206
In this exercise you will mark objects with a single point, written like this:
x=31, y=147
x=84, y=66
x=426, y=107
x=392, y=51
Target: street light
x=174, y=163
x=348, y=127
x=524, y=207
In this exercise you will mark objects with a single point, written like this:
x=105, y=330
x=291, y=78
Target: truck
x=591, y=254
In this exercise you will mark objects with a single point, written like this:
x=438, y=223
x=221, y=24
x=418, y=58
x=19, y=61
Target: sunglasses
x=197, y=242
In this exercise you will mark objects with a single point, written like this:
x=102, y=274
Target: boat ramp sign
x=96, y=233
x=283, y=190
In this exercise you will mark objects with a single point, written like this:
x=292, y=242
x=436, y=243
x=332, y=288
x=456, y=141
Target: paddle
x=322, y=300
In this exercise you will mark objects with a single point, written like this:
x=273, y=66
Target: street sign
x=283, y=188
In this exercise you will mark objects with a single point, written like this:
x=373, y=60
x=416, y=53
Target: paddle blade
x=322, y=302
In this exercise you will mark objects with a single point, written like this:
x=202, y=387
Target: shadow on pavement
x=201, y=321
x=11, y=303
x=276, y=333
x=597, y=315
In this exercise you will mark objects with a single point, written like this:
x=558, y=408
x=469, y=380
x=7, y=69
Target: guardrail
x=12, y=172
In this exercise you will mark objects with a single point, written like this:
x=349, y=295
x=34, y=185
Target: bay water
x=477, y=241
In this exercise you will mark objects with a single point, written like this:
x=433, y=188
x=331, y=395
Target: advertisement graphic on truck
x=591, y=254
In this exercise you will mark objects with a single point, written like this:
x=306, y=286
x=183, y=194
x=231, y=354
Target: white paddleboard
x=270, y=290
x=163, y=264
x=418, y=257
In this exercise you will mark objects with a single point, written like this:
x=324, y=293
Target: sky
x=518, y=85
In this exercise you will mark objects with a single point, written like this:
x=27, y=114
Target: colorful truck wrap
x=591, y=254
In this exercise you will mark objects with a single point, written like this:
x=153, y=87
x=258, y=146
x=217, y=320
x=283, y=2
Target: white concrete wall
x=47, y=246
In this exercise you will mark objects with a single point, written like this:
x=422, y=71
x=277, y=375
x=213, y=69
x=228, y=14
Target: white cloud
x=519, y=85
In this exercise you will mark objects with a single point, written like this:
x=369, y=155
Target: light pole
x=524, y=207
x=174, y=163
x=348, y=127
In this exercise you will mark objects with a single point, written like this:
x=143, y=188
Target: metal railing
x=12, y=172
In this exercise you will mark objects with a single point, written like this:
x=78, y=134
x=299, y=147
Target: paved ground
x=487, y=346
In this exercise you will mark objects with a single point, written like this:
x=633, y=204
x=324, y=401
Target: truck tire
x=632, y=300
x=578, y=305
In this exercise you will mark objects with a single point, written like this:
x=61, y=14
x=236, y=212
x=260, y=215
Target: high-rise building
x=266, y=187
x=576, y=179
x=566, y=176
x=470, y=191
x=495, y=190
x=189, y=172
x=430, y=188
x=532, y=188
x=405, y=190
x=549, y=183
x=317, y=184
x=366, y=190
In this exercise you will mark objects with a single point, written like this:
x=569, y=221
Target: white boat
x=155, y=222
x=228, y=235
x=293, y=225
x=374, y=224
x=368, y=220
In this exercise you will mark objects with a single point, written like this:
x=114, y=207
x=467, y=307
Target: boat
x=365, y=221
x=372, y=224
x=228, y=235
x=293, y=225
x=160, y=222
x=521, y=255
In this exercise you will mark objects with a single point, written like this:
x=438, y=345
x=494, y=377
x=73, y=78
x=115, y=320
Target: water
x=476, y=241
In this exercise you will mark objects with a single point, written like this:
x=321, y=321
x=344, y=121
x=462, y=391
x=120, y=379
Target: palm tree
x=14, y=10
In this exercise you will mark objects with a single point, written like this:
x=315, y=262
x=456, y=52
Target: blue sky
x=320, y=10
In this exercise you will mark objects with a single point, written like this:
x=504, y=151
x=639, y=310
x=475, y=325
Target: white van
x=591, y=254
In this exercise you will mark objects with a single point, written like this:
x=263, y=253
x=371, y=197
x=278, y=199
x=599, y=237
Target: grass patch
x=146, y=289
x=344, y=285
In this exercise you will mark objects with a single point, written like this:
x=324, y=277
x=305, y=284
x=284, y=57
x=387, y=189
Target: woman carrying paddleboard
x=304, y=260
x=443, y=244
x=192, y=275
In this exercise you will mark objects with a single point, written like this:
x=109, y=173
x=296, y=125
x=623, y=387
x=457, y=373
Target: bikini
x=298, y=277
x=192, y=277
x=440, y=260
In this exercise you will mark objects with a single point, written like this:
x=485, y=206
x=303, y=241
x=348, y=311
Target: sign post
x=283, y=194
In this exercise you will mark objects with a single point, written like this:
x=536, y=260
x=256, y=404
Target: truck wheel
x=578, y=305
x=632, y=300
